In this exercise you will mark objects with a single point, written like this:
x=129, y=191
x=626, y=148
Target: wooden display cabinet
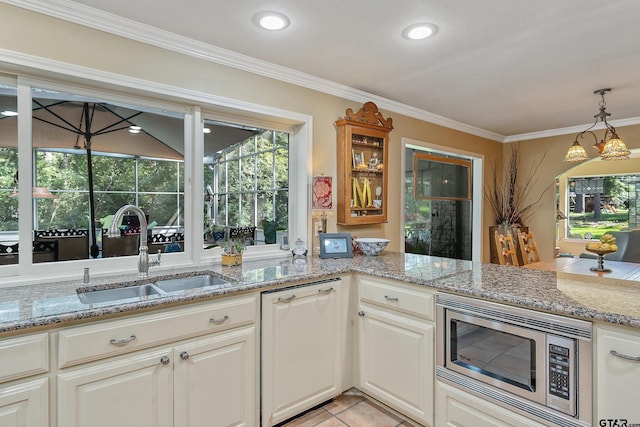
x=363, y=140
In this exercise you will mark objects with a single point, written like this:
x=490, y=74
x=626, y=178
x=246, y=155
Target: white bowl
x=371, y=245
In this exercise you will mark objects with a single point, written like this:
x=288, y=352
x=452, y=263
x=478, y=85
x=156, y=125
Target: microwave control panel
x=561, y=368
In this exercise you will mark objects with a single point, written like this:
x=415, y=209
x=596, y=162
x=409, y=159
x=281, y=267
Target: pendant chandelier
x=609, y=149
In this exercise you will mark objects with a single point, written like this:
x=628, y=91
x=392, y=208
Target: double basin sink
x=152, y=290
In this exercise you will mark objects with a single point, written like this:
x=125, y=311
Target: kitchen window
x=159, y=177
x=247, y=183
x=601, y=204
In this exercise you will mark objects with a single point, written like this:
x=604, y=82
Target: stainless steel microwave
x=537, y=364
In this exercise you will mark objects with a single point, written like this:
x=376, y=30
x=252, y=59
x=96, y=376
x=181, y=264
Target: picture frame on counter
x=335, y=245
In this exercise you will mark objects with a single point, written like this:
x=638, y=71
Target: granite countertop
x=44, y=305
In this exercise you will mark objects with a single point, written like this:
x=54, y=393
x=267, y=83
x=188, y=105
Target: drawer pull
x=325, y=291
x=220, y=320
x=124, y=341
x=184, y=355
x=361, y=313
x=165, y=360
x=284, y=300
x=390, y=299
x=625, y=357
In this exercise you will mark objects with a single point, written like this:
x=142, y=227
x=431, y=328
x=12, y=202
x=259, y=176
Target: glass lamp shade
x=615, y=149
x=38, y=193
x=576, y=153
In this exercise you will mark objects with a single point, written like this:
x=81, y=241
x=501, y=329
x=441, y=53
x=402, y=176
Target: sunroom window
x=88, y=158
x=247, y=186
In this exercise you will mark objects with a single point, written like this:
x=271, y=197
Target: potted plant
x=232, y=250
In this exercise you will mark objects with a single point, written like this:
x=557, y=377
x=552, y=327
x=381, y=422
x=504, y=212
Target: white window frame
x=477, y=161
x=107, y=86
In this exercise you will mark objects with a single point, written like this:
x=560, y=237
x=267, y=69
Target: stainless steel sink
x=192, y=282
x=150, y=290
x=133, y=293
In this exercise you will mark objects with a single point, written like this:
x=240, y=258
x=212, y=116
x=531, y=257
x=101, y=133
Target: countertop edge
x=461, y=280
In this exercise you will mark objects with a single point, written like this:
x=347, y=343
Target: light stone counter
x=23, y=308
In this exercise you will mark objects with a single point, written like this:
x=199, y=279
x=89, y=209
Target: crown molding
x=570, y=130
x=124, y=27
x=20, y=61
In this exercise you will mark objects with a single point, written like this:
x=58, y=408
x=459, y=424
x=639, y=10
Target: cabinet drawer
x=24, y=356
x=104, y=339
x=413, y=300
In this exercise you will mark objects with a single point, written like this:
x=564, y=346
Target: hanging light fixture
x=611, y=149
x=37, y=192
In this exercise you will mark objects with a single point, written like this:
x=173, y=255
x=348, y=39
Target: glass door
x=438, y=205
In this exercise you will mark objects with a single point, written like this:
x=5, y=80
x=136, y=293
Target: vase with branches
x=510, y=198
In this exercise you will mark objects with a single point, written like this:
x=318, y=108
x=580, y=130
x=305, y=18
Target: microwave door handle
x=625, y=357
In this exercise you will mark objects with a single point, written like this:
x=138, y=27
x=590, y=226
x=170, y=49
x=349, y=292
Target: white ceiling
x=509, y=67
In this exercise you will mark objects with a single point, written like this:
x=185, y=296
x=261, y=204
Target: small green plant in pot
x=232, y=250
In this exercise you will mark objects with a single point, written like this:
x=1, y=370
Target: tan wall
x=542, y=223
x=34, y=34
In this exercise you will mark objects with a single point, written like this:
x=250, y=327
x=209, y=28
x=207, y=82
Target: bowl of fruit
x=606, y=245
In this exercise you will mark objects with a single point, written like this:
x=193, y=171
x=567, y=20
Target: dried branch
x=511, y=199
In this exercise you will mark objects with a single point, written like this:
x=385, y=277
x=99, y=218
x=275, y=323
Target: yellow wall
x=42, y=36
x=542, y=223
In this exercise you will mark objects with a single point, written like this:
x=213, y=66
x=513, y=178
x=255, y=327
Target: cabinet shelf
x=367, y=171
x=377, y=146
x=362, y=156
x=366, y=209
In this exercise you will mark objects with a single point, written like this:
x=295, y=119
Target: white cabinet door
x=617, y=375
x=456, y=408
x=302, y=347
x=25, y=404
x=131, y=391
x=215, y=381
x=396, y=362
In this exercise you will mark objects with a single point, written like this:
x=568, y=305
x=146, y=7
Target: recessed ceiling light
x=9, y=113
x=419, y=31
x=272, y=21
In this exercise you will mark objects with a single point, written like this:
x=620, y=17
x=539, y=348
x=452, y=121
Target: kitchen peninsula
x=60, y=334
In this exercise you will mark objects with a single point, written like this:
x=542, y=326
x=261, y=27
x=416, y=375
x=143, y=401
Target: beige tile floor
x=350, y=409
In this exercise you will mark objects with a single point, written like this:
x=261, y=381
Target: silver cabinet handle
x=123, y=341
x=184, y=355
x=388, y=298
x=325, y=291
x=165, y=360
x=220, y=320
x=284, y=300
x=361, y=313
x=625, y=357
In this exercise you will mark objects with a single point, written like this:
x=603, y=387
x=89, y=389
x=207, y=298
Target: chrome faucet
x=143, y=258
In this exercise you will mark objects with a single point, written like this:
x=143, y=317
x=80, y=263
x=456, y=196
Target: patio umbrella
x=84, y=129
x=98, y=127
